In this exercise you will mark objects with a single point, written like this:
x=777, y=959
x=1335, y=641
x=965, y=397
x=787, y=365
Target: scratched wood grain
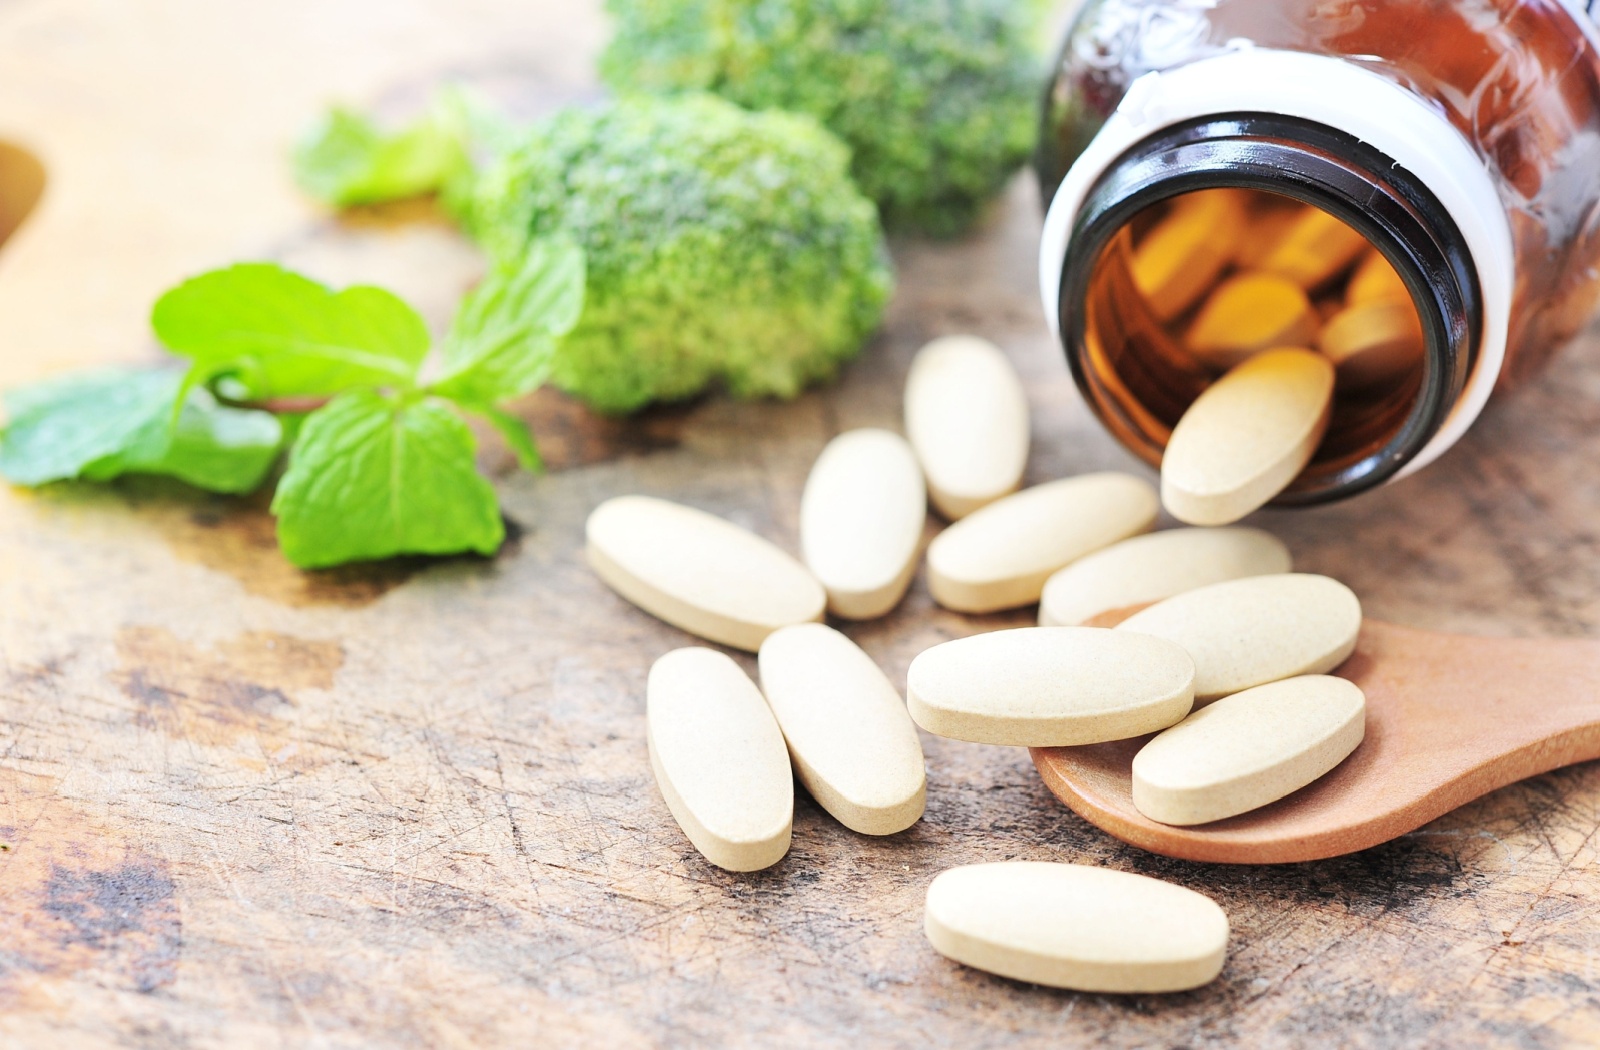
x=242, y=806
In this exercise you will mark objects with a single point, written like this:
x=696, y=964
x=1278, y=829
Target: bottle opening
x=1200, y=282
x=1214, y=241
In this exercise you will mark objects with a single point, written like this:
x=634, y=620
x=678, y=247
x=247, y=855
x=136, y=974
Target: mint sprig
x=346, y=159
x=386, y=466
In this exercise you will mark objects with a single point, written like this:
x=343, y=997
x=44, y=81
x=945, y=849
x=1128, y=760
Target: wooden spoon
x=1449, y=718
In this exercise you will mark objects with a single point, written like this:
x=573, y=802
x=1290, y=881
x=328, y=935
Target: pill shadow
x=1403, y=877
x=1387, y=886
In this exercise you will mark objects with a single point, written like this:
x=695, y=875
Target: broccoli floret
x=938, y=99
x=721, y=244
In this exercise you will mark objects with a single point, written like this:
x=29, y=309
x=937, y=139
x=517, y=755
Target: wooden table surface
x=410, y=805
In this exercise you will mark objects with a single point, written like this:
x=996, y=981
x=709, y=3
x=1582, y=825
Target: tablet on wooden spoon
x=1449, y=718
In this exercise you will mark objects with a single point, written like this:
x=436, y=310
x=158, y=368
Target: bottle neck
x=1136, y=390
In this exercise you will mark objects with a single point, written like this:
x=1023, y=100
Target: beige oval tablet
x=861, y=519
x=1000, y=557
x=1248, y=313
x=1373, y=343
x=1248, y=749
x=1075, y=926
x=1375, y=280
x=967, y=417
x=1245, y=633
x=698, y=572
x=1050, y=686
x=852, y=743
x=1314, y=249
x=1247, y=437
x=1183, y=254
x=1269, y=220
x=719, y=759
x=1157, y=566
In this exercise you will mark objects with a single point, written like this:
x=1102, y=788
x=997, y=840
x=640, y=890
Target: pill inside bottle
x=1260, y=272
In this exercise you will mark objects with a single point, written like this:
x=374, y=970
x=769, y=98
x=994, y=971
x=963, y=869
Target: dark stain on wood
x=239, y=537
x=236, y=536
x=106, y=909
x=41, y=674
x=212, y=696
x=572, y=435
x=77, y=898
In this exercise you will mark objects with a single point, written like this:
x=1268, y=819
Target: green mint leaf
x=505, y=333
x=102, y=424
x=60, y=426
x=517, y=436
x=278, y=334
x=346, y=159
x=211, y=446
x=373, y=476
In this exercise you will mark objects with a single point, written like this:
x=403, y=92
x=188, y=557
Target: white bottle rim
x=1341, y=94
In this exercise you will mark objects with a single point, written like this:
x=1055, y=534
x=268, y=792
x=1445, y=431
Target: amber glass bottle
x=1460, y=137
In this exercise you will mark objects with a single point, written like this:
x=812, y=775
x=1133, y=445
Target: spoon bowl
x=1449, y=718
